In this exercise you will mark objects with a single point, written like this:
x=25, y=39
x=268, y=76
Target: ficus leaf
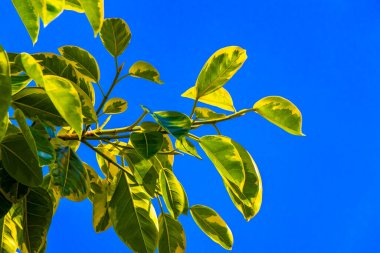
x=53, y=8
x=73, y=5
x=8, y=233
x=5, y=206
x=19, y=82
x=133, y=216
x=29, y=16
x=172, y=192
x=147, y=144
x=5, y=91
x=218, y=69
x=12, y=190
x=212, y=225
x=19, y=161
x=146, y=71
x=66, y=100
x=202, y=113
x=115, y=106
x=184, y=145
x=94, y=10
x=82, y=60
x=115, y=35
x=219, y=98
x=108, y=169
x=225, y=157
x=172, y=236
x=100, y=214
x=280, y=112
x=31, y=67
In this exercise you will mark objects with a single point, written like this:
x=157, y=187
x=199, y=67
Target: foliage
x=52, y=100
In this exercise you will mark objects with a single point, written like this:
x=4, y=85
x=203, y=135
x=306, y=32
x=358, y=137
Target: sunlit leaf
x=35, y=103
x=219, y=98
x=108, y=169
x=184, y=145
x=8, y=233
x=45, y=150
x=248, y=200
x=115, y=35
x=82, y=60
x=212, y=225
x=133, y=216
x=176, y=123
x=73, y=5
x=146, y=71
x=19, y=82
x=70, y=175
x=73, y=144
x=172, y=236
x=202, y=113
x=88, y=109
x=115, y=106
x=218, y=69
x=96, y=184
x=54, y=193
x=31, y=67
x=147, y=144
x=37, y=216
x=5, y=91
x=173, y=193
x=66, y=100
x=225, y=157
x=29, y=17
x=280, y=112
x=94, y=10
x=166, y=160
x=100, y=214
x=19, y=161
x=53, y=8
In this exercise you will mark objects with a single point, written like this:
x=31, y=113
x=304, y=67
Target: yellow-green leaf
x=147, y=144
x=73, y=5
x=32, y=68
x=212, y=225
x=5, y=91
x=94, y=10
x=132, y=214
x=12, y=190
x=173, y=193
x=146, y=71
x=25, y=130
x=108, y=169
x=225, y=157
x=82, y=60
x=172, y=236
x=29, y=17
x=66, y=100
x=218, y=69
x=19, y=82
x=280, y=112
x=53, y=8
x=115, y=106
x=219, y=98
x=8, y=235
x=115, y=35
x=202, y=113
x=100, y=215
x=184, y=145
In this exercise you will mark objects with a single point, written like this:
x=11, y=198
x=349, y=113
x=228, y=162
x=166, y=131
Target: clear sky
x=321, y=192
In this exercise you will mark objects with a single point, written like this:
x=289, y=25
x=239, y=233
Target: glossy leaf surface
x=202, y=113
x=115, y=106
x=5, y=91
x=184, y=145
x=115, y=35
x=94, y=10
x=172, y=236
x=29, y=17
x=219, y=98
x=146, y=71
x=147, y=144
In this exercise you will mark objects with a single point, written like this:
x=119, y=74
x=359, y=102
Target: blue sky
x=321, y=192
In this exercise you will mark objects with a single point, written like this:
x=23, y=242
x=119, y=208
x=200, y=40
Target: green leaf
x=115, y=106
x=202, y=113
x=147, y=144
x=100, y=215
x=73, y=5
x=35, y=104
x=173, y=193
x=94, y=10
x=12, y=190
x=172, y=236
x=176, y=123
x=225, y=157
x=45, y=150
x=88, y=109
x=66, y=100
x=248, y=200
x=31, y=67
x=29, y=17
x=19, y=82
x=37, y=216
x=133, y=215
x=212, y=225
x=8, y=234
x=54, y=193
x=218, y=69
x=5, y=91
x=82, y=60
x=96, y=184
x=25, y=130
x=219, y=98
x=53, y=8
x=167, y=160
x=144, y=171
x=5, y=206
x=184, y=145
x=146, y=71
x=108, y=169
x=19, y=161
x=280, y=112
x=115, y=35
x=70, y=176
